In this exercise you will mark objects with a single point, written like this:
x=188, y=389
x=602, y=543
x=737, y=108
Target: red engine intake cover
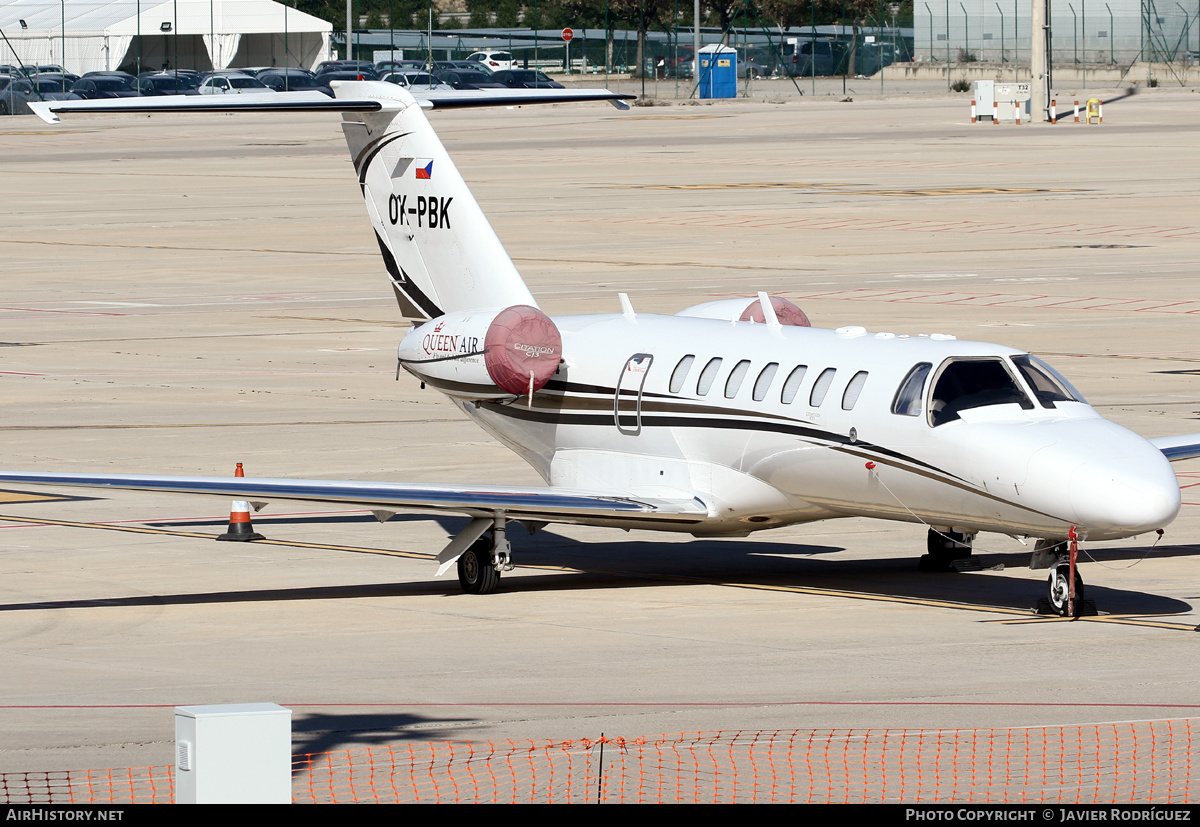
x=785, y=311
x=521, y=341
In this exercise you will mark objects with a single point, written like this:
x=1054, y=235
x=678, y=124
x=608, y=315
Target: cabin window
x=734, y=383
x=708, y=375
x=821, y=387
x=853, y=389
x=1048, y=385
x=974, y=383
x=912, y=391
x=792, y=384
x=679, y=375
x=763, y=383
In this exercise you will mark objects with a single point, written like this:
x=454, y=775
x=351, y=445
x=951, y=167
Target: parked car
x=167, y=83
x=468, y=79
x=494, y=60
x=385, y=66
x=525, y=79
x=416, y=80
x=18, y=91
x=454, y=65
x=97, y=87
x=64, y=80
x=232, y=83
x=363, y=67
x=42, y=69
x=325, y=78
x=748, y=67
x=291, y=80
x=812, y=57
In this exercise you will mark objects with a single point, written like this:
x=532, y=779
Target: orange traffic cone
x=240, y=528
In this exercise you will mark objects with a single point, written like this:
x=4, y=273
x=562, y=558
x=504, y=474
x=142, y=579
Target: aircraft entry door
x=627, y=401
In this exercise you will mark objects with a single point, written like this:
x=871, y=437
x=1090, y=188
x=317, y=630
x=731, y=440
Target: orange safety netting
x=1105, y=763
x=143, y=785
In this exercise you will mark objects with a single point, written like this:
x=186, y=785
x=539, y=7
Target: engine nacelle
x=484, y=354
x=748, y=310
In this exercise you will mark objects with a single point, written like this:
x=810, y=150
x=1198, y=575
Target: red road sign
x=567, y=35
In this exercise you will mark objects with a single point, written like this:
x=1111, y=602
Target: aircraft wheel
x=476, y=573
x=1058, y=590
x=944, y=548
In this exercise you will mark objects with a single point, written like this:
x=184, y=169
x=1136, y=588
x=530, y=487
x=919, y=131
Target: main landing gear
x=477, y=570
x=482, y=552
x=949, y=551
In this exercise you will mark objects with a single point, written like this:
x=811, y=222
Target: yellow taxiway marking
x=753, y=185
x=50, y=132
x=1015, y=616
x=966, y=191
x=169, y=425
x=837, y=188
x=31, y=497
x=669, y=117
x=1120, y=620
x=143, y=529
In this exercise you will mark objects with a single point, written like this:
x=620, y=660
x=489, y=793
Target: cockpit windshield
x=963, y=384
x=1048, y=385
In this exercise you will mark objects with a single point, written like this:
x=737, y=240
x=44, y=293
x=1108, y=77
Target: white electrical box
x=984, y=95
x=233, y=754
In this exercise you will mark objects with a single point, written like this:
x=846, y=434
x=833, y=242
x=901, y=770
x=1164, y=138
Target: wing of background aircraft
x=1175, y=448
x=320, y=102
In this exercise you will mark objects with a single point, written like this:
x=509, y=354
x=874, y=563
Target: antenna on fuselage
x=627, y=307
x=768, y=309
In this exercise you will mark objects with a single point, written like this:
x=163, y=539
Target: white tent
x=96, y=35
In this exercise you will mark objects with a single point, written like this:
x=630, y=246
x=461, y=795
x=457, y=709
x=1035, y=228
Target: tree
x=640, y=15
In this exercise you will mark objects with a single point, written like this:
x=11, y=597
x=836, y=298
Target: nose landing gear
x=1058, y=592
x=1060, y=558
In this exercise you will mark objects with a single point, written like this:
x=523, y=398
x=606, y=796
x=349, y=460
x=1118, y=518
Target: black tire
x=1057, y=593
x=3, y=107
x=476, y=574
x=944, y=548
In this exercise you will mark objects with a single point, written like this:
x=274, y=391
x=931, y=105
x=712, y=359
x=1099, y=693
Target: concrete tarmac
x=184, y=293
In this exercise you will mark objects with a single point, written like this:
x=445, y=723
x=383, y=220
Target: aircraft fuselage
x=795, y=424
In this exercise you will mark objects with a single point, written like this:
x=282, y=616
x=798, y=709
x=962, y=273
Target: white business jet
x=726, y=418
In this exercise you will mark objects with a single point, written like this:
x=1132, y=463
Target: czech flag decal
x=424, y=169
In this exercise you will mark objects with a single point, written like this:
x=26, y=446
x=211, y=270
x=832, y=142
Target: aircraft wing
x=1176, y=448
x=540, y=503
x=352, y=96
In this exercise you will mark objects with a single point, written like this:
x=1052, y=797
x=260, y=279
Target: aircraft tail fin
x=439, y=249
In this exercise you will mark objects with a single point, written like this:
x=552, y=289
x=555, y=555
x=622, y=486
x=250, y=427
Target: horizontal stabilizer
x=558, y=505
x=1176, y=448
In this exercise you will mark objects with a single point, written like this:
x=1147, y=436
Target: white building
x=98, y=35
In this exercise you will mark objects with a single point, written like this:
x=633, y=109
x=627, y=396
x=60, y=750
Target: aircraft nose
x=1123, y=496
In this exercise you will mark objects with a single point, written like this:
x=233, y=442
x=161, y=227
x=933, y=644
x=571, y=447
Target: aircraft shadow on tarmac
x=315, y=733
x=749, y=563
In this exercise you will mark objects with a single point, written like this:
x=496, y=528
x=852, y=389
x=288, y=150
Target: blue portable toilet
x=718, y=71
